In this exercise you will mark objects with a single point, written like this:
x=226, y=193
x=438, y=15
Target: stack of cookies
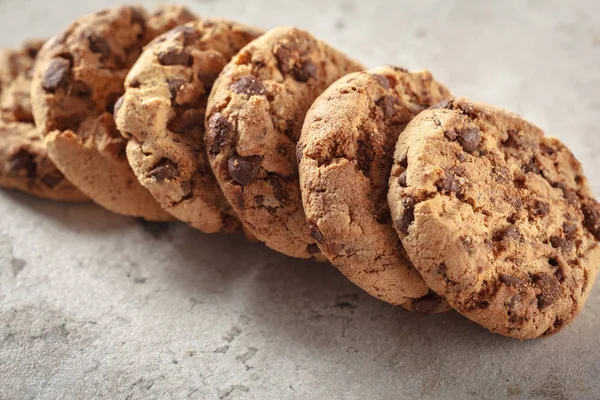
x=423, y=200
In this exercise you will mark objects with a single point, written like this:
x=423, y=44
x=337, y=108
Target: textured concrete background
x=93, y=305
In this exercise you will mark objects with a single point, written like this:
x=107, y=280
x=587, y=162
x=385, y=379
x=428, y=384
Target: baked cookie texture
x=345, y=156
x=254, y=119
x=497, y=218
x=24, y=163
x=78, y=77
x=162, y=116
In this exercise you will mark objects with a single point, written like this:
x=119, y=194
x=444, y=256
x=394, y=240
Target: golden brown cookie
x=78, y=77
x=162, y=116
x=345, y=156
x=24, y=163
x=497, y=218
x=254, y=119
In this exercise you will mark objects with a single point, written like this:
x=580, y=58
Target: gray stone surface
x=93, y=305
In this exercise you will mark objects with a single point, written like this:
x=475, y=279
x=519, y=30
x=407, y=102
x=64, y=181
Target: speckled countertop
x=93, y=305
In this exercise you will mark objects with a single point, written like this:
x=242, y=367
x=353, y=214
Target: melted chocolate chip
x=511, y=280
x=190, y=35
x=218, y=132
x=22, y=163
x=386, y=103
x=408, y=216
x=402, y=179
x=57, y=74
x=316, y=234
x=278, y=189
x=510, y=232
x=175, y=85
x=243, y=170
x=570, y=195
x=382, y=80
x=248, y=85
x=541, y=209
x=175, y=56
x=99, y=45
x=570, y=230
x=427, y=304
x=591, y=216
x=282, y=54
x=549, y=287
x=164, y=170
x=470, y=139
x=304, y=71
x=448, y=183
x=559, y=243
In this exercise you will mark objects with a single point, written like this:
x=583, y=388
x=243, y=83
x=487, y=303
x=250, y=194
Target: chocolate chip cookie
x=24, y=164
x=497, y=218
x=345, y=156
x=78, y=77
x=162, y=115
x=254, y=119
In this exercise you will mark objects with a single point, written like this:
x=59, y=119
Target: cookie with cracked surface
x=162, y=116
x=253, y=122
x=497, y=218
x=24, y=164
x=78, y=77
x=345, y=156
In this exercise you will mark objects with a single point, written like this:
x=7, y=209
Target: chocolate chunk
x=559, y=243
x=364, y=157
x=448, y=183
x=382, y=80
x=427, y=304
x=468, y=110
x=278, y=189
x=135, y=84
x=313, y=249
x=570, y=230
x=316, y=234
x=248, y=85
x=218, y=131
x=470, y=139
x=22, y=163
x=451, y=134
x=591, y=216
x=408, y=216
x=549, y=287
x=243, y=170
x=175, y=56
x=511, y=280
x=402, y=179
x=57, y=74
x=541, y=209
x=447, y=104
x=186, y=121
x=99, y=45
x=175, y=85
x=386, y=103
x=404, y=162
x=304, y=71
x=259, y=200
x=282, y=54
x=52, y=179
x=531, y=167
x=437, y=122
x=164, y=170
x=510, y=232
x=190, y=35
x=570, y=195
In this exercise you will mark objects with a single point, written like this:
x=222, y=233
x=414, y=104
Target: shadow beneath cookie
x=84, y=217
